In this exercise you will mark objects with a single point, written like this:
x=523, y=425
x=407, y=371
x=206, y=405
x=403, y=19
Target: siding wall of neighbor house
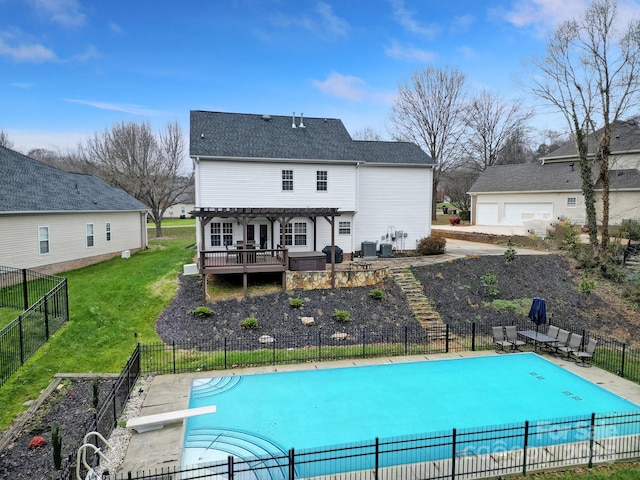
x=235, y=184
x=393, y=199
x=20, y=247
x=174, y=211
x=622, y=206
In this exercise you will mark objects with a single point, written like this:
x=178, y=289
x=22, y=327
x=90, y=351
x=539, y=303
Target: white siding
x=19, y=245
x=393, y=199
x=236, y=184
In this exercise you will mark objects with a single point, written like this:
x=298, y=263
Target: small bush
x=586, y=285
x=630, y=229
x=490, y=282
x=56, y=444
x=377, y=294
x=341, y=316
x=250, y=323
x=510, y=253
x=201, y=312
x=433, y=245
x=296, y=303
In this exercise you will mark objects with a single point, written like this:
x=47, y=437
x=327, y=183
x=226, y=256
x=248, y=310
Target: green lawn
x=112, y=306
x=8, y=315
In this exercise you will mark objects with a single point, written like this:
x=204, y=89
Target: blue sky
x=69, y=68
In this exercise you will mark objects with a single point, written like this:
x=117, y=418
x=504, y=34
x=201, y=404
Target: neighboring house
x=539, y=194
x=179, y=210
x=300, y=172
x=51, y=220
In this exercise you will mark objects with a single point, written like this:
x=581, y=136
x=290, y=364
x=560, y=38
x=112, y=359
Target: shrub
x=586, y=284
x=510, y=253
x=201, y=312
x=295, y=303
x=250, y=323
x=433, y=245
x=341, y=316
x=56, y=444
x=630, y=229
x=377, y=294
x=490, y=282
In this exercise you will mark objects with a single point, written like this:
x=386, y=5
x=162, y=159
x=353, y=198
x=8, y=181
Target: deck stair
x=420, y=305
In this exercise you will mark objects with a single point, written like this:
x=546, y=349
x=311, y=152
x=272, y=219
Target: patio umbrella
x=538, y=312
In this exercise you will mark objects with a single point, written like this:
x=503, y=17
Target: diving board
x=159, y=420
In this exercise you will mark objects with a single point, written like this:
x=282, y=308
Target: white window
x=43, y=239
x=321, y=180
x=572, y=202
x=221, y=234
x=107, y=231
x=344, y=228
x=89, y=232
x=287, y=180
x=295, y=232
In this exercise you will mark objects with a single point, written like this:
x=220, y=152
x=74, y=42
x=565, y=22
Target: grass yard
x=8, y=315
x=112, y=306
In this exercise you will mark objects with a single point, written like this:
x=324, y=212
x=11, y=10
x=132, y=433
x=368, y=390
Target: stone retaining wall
x=344, y=279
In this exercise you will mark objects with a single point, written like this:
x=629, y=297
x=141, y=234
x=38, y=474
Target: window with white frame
x=321, y=180
x=344, y=228
x=572, y=202
x=89, y=234
x=295, y=233
x=107, y=231
x=287, y=180
x=43, y=240
x=221, y=234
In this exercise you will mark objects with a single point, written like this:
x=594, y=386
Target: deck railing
x=239, y=256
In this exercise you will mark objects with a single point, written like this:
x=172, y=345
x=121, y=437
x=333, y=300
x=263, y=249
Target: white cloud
x=66, y=13
x=323, y=22
x=117, y=107
x=544, y=14
x=26, y=52
x=337, y=26
x=342, y=86
x=116, y=29
x=409, y=53
x=90, y=53
x=407, y=20
x=23, y=85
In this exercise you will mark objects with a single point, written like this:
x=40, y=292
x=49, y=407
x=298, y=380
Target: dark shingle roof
x=237, y=135
x=550, y=177
x=27, y=185
x=625, y=138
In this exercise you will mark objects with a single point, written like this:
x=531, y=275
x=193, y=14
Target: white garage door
x=519, y=213
x=487, y=214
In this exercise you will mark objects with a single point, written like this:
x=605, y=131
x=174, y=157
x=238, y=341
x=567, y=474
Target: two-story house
x=304, y=184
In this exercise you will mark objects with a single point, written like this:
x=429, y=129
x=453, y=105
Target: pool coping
x=156, y=449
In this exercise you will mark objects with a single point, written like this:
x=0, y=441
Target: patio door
x=251, y=235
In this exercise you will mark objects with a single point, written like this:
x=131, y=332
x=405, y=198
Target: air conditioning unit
x=386, y=250
x=190, y=269
x=368, y=249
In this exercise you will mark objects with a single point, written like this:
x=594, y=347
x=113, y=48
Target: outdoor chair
x=572, y=346
x=553, y=331
x=583, y=355
x=561, y=340
x=499, y=340
x=232, y=255
x=512, y=336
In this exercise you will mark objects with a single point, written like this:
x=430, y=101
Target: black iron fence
x=43, y=300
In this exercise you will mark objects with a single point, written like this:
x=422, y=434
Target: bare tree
x=456, y=184
x=146, y=166
x=591, y=74
x=366, y=133
x=491, y=121
x=429, y=112
x=516, y=149
x=5, y=141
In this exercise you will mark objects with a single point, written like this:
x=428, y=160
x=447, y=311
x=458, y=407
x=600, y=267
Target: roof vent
x=266, y=118
x=301, y=120
x=293, y=120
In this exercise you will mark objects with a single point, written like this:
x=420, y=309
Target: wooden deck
x=238, y=260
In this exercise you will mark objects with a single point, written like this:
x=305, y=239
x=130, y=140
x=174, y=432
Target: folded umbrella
x=538, y=312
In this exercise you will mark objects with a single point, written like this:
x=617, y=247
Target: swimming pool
x=271, y=413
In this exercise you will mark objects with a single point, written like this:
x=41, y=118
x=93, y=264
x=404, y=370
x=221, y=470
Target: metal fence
x=479, y=452
x=44, y=301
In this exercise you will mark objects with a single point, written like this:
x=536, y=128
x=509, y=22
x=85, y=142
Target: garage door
x=519, y=213
x=487, y=214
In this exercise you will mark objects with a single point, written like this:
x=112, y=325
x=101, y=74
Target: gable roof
x=625, y=138
x=548, y=177
x=27, y=185
x=272, y=137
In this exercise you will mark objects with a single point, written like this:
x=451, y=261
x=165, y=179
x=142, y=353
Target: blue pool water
x=305, y=409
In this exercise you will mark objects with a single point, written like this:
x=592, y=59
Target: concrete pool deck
x=157, y=449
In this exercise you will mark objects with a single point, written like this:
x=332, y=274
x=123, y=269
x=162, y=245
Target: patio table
x=537, y=337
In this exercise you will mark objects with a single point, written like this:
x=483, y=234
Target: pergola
x=274, y=259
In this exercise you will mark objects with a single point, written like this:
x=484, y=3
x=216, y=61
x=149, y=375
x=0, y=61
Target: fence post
x=377, y=458
x=46, y=316
x=25, y=289
x=363, y=347
x=592, y=429
x=292, y=464
x=319, y=345
x=273, y=352
x=473, y=337
x=173, y=352
x=624, y=352
x=406, y=340
x=225, y=353
x=446, y=340
x=453, y=455
x=524, y=448
x=20, y=332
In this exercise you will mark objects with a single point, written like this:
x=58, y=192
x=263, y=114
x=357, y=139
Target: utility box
x=368, y=249
x=386, y=250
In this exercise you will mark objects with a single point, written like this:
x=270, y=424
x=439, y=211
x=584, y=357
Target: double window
x=287, y=180
x=89, y=234
x=43, y=240
x=321, y=180
x=221, y=234
x=344, y=228
x=295, y=233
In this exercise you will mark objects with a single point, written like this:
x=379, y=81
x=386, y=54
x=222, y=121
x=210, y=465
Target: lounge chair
x=583, y=355
x=561, y=340
x=572, y=346
x=553, y=331
x=512, y=336
x=499, y=340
